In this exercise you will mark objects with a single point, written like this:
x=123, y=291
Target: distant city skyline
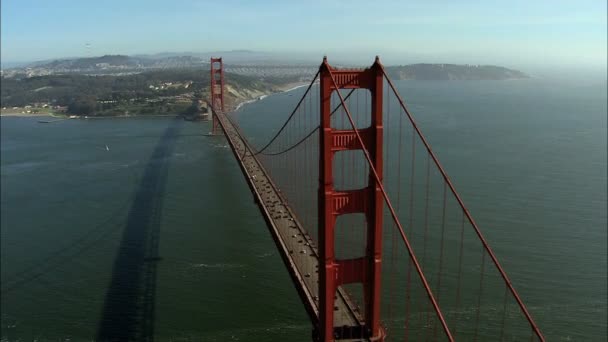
x=515, y=33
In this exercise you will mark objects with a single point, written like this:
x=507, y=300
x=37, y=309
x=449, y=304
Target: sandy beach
x=282, y=89
x=293, y=86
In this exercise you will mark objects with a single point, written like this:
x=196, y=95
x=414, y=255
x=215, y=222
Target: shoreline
x=24, y=115
x=66, y=117
x=298, y=86
x=283, y=89
x=129, y=116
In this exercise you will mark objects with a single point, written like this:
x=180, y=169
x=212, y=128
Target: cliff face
x=236, y=95
x=453, y=72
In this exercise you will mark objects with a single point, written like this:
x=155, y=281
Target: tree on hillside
x=84, y=105
x=194, y=108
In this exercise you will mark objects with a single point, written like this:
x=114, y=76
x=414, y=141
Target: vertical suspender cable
x=480, y=293
x=441, y=247
x=485, y=244
x=458, y=282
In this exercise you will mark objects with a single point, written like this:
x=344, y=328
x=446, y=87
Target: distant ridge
x=425, y=71
x=240, y=61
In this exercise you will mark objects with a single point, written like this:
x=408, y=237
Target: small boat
x=107, y=148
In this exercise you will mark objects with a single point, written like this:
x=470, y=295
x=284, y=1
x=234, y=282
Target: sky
x=529, y=33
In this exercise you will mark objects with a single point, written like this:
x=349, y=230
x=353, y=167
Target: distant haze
x=520, y=34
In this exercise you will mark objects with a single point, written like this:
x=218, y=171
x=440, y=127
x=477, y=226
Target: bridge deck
x=295, y=246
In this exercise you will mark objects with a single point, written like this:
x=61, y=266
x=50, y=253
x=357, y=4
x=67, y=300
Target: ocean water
x=157, y=236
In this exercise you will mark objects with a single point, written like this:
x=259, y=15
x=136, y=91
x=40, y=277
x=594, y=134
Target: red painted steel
x=333, y=202
x=376, y=174
x=216, y=95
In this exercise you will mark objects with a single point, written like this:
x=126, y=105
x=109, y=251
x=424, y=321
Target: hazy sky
x=511, y=33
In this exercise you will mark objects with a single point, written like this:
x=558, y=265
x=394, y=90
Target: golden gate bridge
x=376, y=239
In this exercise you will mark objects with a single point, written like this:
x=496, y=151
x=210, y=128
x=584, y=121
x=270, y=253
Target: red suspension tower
x=334, y=202
x=216, y=91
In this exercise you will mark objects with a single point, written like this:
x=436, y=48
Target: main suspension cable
x=291, y=115
x=468, y=215
x=306, y=136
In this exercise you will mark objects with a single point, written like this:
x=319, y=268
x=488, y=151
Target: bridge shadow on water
x=129, y=307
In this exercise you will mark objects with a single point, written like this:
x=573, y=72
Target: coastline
x=129, y=116
x=243, y=103
x=297, y=85
x=62, y=116
x=23, y=115
x=282, y=89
